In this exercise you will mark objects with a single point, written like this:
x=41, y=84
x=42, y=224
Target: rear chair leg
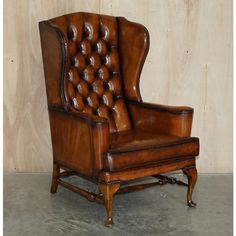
x=108, y=191
x=191, y=173
x=55, y=174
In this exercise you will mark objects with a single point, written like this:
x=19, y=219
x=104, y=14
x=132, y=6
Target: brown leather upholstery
x=134, y=46
x=135, y=148
x=100, y=127
x=93, y=78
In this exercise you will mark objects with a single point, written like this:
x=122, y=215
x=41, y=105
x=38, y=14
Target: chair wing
x=134, y=46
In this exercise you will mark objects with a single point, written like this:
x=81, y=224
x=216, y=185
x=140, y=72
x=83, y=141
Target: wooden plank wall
x=189, y=63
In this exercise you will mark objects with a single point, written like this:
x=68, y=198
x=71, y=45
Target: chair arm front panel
x=78, y=140
x=162, y=119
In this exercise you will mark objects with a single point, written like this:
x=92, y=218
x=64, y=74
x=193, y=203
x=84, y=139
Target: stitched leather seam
x=174, y=159
x=160, y=146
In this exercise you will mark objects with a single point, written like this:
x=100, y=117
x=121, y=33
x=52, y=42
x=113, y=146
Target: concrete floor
x=29, y=209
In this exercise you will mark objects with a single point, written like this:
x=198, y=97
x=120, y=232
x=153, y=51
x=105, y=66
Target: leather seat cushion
x=134, y=148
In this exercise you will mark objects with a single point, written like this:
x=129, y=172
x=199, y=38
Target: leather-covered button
x=103, y=73
x=70, y=75
x=89, y=74
x=78, y=102
x=95, y=61
x=112, y=60
x=88, y=28
x=71, y=32
x=104, y=32
x=92, y=100
x=106, y=86
x=88, y=62
x=108, y=98
x=102, y=111
x=85, y=47
x=109, y=29
x=79, y=48
x=101, y=47
x=73, y=76
x=79, y=62
x=82, y=88
x=115, y=85
x=98, y=87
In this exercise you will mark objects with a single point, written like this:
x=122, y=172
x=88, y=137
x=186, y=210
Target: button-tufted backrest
x=93, y=82
x=92, y=64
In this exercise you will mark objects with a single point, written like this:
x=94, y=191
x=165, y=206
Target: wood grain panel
x=189, y=63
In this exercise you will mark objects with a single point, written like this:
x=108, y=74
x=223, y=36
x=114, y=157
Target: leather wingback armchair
x=101, y=129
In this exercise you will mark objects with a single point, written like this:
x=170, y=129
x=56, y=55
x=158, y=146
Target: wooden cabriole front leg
x=191, y=173
x=108, y=190
x=55, y=175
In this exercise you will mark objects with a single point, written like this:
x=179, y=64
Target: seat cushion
x=135, y=148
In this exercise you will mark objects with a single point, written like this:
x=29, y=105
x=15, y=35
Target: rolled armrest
x=163, y=119
x=79, y=140
x=164, y=108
